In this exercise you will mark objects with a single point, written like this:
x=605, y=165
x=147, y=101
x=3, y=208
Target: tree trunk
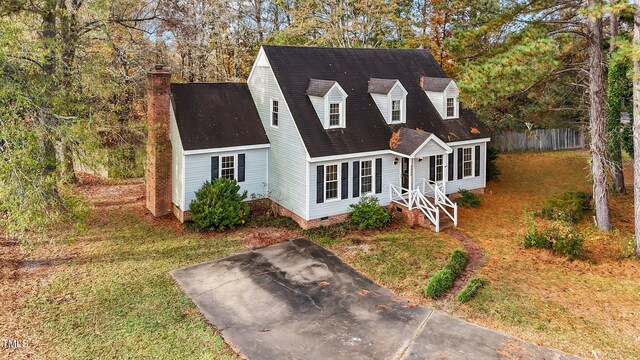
x=598, y=122
x=636, y=128
x=614, y=128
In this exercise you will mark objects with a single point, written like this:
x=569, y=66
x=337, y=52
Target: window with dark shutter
x=356, y=179
x=460, y=163
x=319, y=184
x=432, y=168
x=345, y=181
x=215, y=166
x=477, y=164
x=240, y=167
x=450, y=161
x=378, y=176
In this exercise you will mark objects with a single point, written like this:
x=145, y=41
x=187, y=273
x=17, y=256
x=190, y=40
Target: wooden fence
x=537, y=140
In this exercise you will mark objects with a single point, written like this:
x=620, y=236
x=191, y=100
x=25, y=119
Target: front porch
x=421, y=193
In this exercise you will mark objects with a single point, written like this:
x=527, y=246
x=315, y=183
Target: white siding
x=476, y=182
x=382, y=101
x=390, y=174
x=431, y=148
x=318, y=105
x=437, y=99
x=177, y=182
x=287, y=155
x=198, y=170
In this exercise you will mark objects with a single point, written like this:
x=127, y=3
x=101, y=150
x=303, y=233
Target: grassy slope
x=590, y=306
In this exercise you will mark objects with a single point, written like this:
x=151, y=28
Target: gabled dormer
x=330, y=102
x=391, y=98
x=443, y=94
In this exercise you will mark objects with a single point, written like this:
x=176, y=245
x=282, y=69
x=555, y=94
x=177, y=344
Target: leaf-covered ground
x=104, y=290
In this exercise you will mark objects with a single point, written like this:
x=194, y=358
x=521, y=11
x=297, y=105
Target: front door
x=404, y=174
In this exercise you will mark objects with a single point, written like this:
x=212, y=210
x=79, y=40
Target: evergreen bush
x=219, y=205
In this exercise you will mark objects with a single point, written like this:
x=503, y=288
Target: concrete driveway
x=296, y=300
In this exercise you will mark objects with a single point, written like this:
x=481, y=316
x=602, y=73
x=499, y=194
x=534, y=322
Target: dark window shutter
x=432, y=168
x=215, y=166
x=320, y=184
x=356, y=179
x=450, y=160
x=345, y=180
x=240, y=167
x=460, y=163
x=378, y=176
x=477, y=160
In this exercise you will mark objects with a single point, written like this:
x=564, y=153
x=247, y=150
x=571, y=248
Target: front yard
x=106, y=292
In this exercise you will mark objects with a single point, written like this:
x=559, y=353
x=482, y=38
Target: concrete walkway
x=296, y=300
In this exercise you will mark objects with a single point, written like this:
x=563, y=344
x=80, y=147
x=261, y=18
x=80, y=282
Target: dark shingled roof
x=319, y=87
x=366, y=129
x=216, y=115
x=409, y=140
x=381, y=86
x=435, y=83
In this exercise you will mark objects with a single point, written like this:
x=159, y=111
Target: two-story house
x=316, y=129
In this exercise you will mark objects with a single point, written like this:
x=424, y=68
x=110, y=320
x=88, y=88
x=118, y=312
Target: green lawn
x=116, y=298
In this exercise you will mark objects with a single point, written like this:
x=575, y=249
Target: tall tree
x=616, y=83
x=636, y=126
x=597, y=117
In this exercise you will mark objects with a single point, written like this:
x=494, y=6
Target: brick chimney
x=158, y=169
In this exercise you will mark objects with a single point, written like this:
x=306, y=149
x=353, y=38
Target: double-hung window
x=467, y=162
x=227, y=167
x=274, y=112
x=451, y=107
x=396, y=110
x=334, y=114
x=331, y=182
x=366, y=177
x=439, y=167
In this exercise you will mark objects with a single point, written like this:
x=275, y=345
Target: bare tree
x=597, y=119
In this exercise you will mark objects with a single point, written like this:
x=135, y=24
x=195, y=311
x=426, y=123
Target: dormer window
x=443, y=94
x=334, y=114
x=396, y=111
x=451, y=107
x=390, y=97
x=329, y=101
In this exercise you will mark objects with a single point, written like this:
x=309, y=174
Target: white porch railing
x=415, y=199
x=441, y=200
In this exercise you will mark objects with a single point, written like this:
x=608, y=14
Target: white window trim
x=441, y=166
x=473, y=162
x=373, y=178
x=338, y=180
x=271, y=112
x=402, y=110
x=340, y=117
x=235, y=164
x=456, y=107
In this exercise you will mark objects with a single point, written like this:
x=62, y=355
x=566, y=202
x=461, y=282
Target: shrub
x=560, y=237
x=468, y=199
x=219, y=205
x=470, y=290
x=457, y=262
x=369, y=214
x=567, y=242
x=568, y=206
x=440, y=283
x=492, y=167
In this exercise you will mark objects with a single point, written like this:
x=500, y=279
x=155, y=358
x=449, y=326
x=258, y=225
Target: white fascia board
x=398, y=83
x=255, y=63
x=184, y=185
x=431, y=137
x=344, y=93
x=348, y=156
x=226, y=149
x=467, y=142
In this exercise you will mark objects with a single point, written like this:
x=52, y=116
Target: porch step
x=445, y=222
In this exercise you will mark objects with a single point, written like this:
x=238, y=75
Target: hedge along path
x=475, y=261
